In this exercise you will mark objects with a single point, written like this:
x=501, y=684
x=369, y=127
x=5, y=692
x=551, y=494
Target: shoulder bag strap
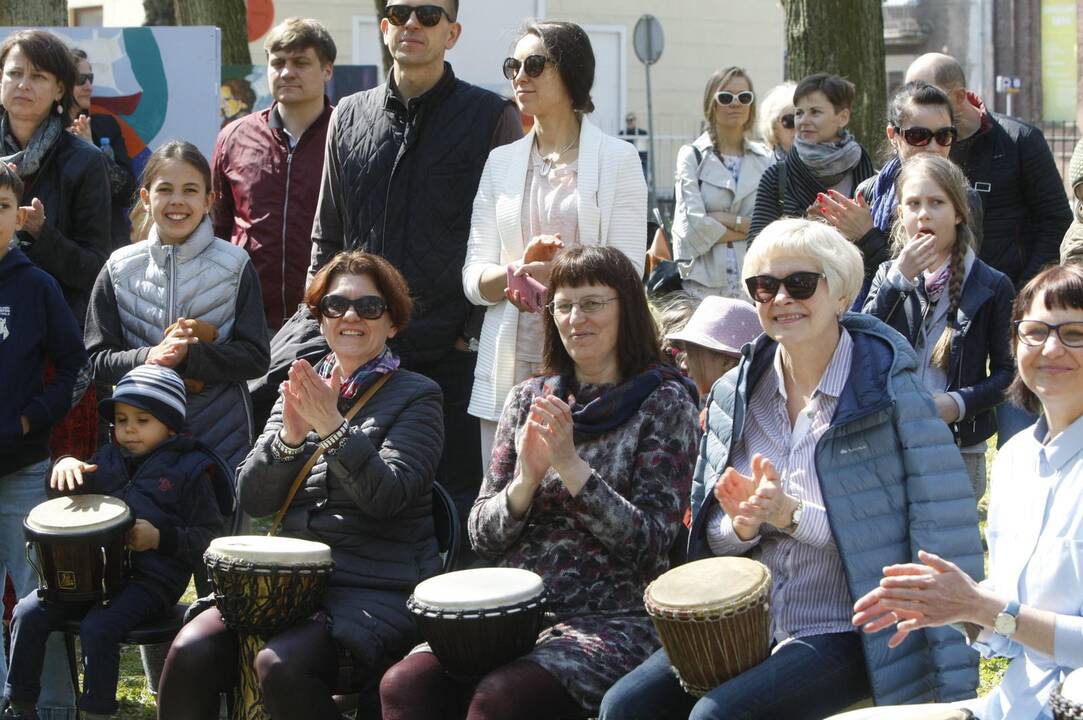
x=783, y=171
x=318, y=453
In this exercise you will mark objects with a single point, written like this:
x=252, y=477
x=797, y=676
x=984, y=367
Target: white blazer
x=612, y=199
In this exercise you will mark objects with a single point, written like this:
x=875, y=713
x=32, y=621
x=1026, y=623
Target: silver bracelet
x=282, y=452
x=331, y=443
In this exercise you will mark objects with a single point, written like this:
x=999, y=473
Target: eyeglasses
x=725, y=97
x=1036, y=332
x=787, y=121
x=427, y=15
x=534, y=65
x=370, y=307
x=588, y=306
x=84, y=78
x=920, y=136
x=799, y=286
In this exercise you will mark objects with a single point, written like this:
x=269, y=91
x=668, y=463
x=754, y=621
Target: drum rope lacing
x=1065, y=709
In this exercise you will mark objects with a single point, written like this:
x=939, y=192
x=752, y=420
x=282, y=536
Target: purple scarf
x=618, y=403
x=883, y=201
x=363, y=377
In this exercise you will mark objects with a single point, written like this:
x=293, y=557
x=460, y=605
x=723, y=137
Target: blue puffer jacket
x=892, y=482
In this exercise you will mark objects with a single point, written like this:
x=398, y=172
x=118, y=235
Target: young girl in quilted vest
x=184, y=299
x=954, y=309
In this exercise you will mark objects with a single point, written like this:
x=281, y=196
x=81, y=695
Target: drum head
x=707, y=584
x=1072, y=688
x=479, y=589
x=905, y=712
x=75, y=515
x=263, y=550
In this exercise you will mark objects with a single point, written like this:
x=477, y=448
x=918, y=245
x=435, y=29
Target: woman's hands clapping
x=546, y=441
x=309, y=402
x=750, y=501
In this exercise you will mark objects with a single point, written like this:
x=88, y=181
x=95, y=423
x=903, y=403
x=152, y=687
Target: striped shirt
x=809, y=593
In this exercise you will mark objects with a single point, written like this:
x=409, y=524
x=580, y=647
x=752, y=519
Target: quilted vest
x=411, y=172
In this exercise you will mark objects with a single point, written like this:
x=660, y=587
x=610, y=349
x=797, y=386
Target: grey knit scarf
x=28, y=160
x=830, y=161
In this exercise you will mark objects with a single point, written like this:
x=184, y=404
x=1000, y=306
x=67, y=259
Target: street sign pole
x=649, y=42
x=652, y=188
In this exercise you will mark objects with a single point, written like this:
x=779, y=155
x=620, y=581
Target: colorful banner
x=1059, y=69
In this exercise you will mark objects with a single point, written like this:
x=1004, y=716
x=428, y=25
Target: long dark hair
x=637, y=336
x=568, y=46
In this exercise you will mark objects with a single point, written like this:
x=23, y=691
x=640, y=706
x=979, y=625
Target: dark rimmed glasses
x=786, y=121
x=1036, y=332
x=725, y=97
x=922, y=136
x=427, y=15
x=370, y=307
x=533, y=64
x=84, y=78
x=799, y=286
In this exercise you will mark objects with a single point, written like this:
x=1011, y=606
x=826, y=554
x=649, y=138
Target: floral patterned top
x=595, y=552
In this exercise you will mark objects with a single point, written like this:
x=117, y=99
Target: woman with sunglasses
x=825, y=156
x=776, y=123
x=591, y=462
x=1028, y=609
x=717, y=179
x=823, y=458
x=565, y=184
x=919, y=121
x=102, y=130
x=368, y=497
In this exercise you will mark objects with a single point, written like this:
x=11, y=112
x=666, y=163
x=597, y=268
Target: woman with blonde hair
x=717, y=178
x=776, y=122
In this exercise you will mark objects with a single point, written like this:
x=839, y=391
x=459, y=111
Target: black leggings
x=297, y=671
x=417, y=688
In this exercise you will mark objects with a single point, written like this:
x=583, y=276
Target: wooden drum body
x=1067, y=700
x=477, y=620
x=76, y=544
x=714, y=619
x=263, y=585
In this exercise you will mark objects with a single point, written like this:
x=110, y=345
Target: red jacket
x=266, y=199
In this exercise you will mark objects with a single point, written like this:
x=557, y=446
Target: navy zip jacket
x=170, y=487
x=893, y=483
x=35, y=324
x=985, y=315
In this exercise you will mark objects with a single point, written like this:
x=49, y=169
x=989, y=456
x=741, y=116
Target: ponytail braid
x=942, y=352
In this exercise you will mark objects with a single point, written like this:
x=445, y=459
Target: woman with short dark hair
x=590, y=465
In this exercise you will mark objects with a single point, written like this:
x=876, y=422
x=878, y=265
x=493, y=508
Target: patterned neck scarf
x=28, y=160
x=617, y=404
x=363, y=377
x=830, y=161
x=935, y=284
x=883, y=202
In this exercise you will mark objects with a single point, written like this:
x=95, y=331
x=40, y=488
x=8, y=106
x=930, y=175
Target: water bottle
x=107, y=149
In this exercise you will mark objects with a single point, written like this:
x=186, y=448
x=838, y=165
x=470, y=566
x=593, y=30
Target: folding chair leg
x=73, y=661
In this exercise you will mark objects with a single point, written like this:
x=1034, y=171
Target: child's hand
x=173, y=349
x=67, y=474
x=143, y=536
x=917, y=255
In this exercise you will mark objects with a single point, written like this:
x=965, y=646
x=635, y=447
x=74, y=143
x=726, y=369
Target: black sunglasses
x=1036, y=332
x=799, y=286
x=534, y=65
x=920, y=136
x=84, y=78
x=725, y=97
x=370, y=307
x=427, y=15
x=787, y=121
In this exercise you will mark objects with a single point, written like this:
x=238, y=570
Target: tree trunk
x=380, y=5
x=845, y=37
x=41, y=13
x=159, y=12
x=230, y=16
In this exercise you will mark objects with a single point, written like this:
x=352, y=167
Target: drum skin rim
x=122, y=521
x=217, y=562
x=422, y=609
x=1063, y=708
x=757, y=595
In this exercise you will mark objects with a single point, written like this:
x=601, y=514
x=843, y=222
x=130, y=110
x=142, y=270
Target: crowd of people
x=349, y=305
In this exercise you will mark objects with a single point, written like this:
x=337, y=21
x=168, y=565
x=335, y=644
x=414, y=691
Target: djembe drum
x=76, y=545
x=713, y=618
x=263, y=585
x=477, y=620
x=1067, y=700
x=906, y=712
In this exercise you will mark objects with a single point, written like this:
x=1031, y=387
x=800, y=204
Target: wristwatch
x=737, y=221
x=1004, y=624
x=795, y=518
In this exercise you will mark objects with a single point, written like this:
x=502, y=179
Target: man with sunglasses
x=403, y=162
x=1008, y=162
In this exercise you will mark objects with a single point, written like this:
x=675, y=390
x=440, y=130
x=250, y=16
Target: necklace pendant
x=547, y=165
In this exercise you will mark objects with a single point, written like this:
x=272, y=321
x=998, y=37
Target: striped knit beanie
x=156, y=389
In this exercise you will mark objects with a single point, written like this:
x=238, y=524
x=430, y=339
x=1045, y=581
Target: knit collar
x=197, y=242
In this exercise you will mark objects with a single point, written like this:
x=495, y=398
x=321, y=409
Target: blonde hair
x=774, y=106
x=714, y=84
x=949, y=178
x=837, y=258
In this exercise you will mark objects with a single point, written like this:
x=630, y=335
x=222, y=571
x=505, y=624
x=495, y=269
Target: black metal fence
x=1062, y=137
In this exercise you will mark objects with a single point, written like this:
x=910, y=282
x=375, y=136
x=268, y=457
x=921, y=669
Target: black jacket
x=1026, y=211
x=73, y=245
x=980, y=368
x=171, y=487
x=121, y=174
x=399, y=181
